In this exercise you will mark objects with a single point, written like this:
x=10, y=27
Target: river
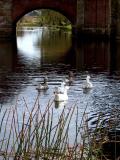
x=41, y=52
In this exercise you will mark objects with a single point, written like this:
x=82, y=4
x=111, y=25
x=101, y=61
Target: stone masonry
x=92, y=17
x=6, y=28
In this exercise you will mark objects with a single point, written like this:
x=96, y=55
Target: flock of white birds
x=60, y=92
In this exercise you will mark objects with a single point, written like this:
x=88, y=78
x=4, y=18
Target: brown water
x=54, y=53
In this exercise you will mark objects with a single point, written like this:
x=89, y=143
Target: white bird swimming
x=44, y=85
x=61, y=93
x=87, y=84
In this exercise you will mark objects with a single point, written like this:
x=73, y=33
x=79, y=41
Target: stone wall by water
x=88, y=16
x=5, y=18
x=94, y=16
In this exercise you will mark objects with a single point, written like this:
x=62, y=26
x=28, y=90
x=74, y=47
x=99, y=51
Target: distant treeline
x=44, y=17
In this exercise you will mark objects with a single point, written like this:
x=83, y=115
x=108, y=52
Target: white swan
x=60, y=89
x=61, y=93
x=43, y=86
x=87, y=84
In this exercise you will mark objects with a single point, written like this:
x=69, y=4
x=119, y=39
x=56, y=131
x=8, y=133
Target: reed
x=37, y=136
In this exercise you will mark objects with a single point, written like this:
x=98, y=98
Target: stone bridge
x=89, y=17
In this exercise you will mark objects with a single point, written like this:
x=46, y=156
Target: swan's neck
x=65, y=91
x=87, y=80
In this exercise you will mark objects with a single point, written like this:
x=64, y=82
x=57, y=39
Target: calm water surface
x=54, y=53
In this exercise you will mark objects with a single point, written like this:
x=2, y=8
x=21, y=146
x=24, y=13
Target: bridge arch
x=88, y=17
x=21, y=7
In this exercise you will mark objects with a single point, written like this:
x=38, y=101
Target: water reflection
x=60, y=105
x=93, y=56
x=55, y=45
x=7, y=55
x=87, y=90
x=43, y=52
x=27, y=44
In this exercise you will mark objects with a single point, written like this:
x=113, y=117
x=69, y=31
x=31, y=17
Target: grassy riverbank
x=36, y=24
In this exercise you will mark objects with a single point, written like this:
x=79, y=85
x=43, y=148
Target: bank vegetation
x=44, y=17
x=35, y=135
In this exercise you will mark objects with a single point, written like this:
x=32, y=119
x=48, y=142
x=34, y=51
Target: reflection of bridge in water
x=15, y=72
